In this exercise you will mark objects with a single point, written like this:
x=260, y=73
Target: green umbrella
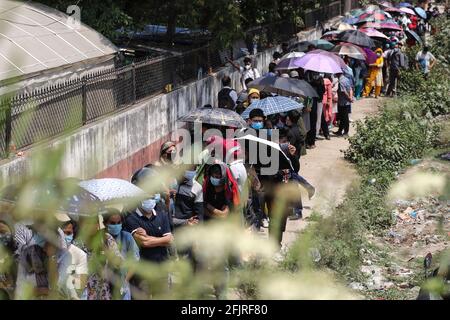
x=357, y=12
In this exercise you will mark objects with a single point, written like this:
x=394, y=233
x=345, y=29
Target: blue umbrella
x=352, y=20
x=405, y=4
x=421, y=12
x=273, y=105
x=412, y=35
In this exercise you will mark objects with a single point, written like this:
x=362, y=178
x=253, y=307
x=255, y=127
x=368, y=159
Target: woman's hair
x=215, y=169
x=110, y=212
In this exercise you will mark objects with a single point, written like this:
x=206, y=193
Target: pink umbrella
x=408, y=11
x=332, y=55
x=385, y=25
x=319, y=63
x=393, y=9
x=373, y=33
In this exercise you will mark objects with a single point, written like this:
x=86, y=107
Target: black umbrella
x=356, y=37
x=215, y=116
x=412, y=35
x=288, y=85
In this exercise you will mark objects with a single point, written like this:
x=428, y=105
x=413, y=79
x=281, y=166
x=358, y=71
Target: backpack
x=225, y=100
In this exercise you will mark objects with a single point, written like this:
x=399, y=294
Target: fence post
x=8, y=128
x=133, y=79
x=84, y=101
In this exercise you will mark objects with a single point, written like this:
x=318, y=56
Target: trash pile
x=420, y=222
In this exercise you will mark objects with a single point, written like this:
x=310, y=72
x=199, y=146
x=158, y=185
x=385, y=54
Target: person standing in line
x=375, y=75
x=425, y=61
x=345, y=98
x=247, y=71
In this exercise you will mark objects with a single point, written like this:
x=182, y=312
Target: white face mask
x=247, y=67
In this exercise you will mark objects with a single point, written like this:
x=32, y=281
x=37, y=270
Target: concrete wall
x=122, y=143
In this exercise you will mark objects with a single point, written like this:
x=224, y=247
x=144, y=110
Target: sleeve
x=199, y=209
x=179, y=222
x=165, y=225
x=82, y=265
x=257, y=74
x=233, y=95
x=417, y=56
x=133, y=248
x=130, y=224
x=432, y=57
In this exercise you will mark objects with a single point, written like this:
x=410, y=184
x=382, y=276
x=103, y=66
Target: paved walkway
x=325, y=168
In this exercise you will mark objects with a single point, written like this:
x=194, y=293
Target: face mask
x=215, y=181
x=247, y=67
x=114, y=229
x=157, y=197
x=253, y=100
x=379, y=54
x=149, y=205
x=39, y=240
x=190, y=175
x=257, y=125
x=68, y=238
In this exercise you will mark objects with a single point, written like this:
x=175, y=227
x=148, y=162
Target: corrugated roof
x=34, y=37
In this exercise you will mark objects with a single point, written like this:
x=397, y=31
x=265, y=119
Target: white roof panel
x=34, y=37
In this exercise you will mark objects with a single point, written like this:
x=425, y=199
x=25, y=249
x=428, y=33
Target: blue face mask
x=114, y=229
x=149, y=205
x=257, y=125
x=39, y=240
x=216, y=182
x=68, y=238
x=190, y=175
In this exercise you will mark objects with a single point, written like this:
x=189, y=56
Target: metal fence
x=37, y=116
x=28, y=118
x=322, y=14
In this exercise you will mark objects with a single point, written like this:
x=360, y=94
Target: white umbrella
x=293, y=55
x=113, y=190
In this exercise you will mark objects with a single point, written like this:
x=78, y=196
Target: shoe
x=319, y=138
x=295, y=217
x=328, y=138
x=337, y=133
x=351, y=120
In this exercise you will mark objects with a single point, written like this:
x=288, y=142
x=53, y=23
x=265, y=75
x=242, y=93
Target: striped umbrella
x=272, y=105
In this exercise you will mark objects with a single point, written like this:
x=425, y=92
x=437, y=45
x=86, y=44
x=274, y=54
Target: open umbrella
x=382, y=25
x=371, y=17
x=64, y=196
x=412, y=35
x=351, y=20
x=292, y=55
x=320, y=63
x=332, y=55
x=288, y=64
x=372, y=7
x=386, y=4
x=319, y=44
x=394, y=10
x=113, y=190
x=215, y=116
x=356, y=37
x=345, y=26
x=272, y=105
x=405, y=4
x=331, y=35
x=373, y=33
x=273, y=145
x=420, y=12
x=350, y=50
x=371, y=56
x=408, y=11
x=357, y=12
x=288, y=85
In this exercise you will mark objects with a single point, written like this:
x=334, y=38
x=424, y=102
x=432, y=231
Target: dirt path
x=325, y=168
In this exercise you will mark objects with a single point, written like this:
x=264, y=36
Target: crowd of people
x=89, y=253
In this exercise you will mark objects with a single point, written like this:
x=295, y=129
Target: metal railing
x=34, y=117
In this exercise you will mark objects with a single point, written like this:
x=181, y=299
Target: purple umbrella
x=332, y=55
x=371, y=56
x=288, y=64
x=319, y=63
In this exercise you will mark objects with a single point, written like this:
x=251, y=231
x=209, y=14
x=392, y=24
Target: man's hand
x=292, y=149
x=192, y=221
x=140, y=231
